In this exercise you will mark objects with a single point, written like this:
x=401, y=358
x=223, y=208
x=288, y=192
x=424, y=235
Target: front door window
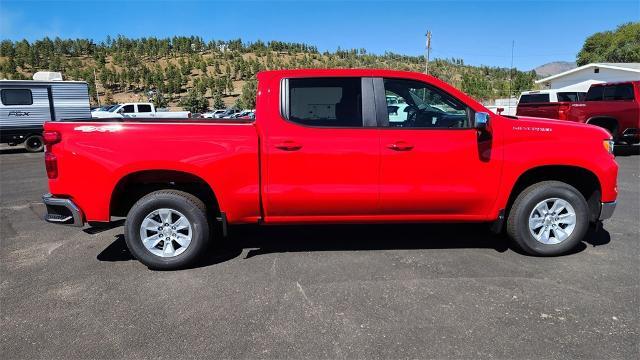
x=414, y=104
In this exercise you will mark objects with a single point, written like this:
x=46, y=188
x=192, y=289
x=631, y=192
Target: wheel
x=548, y=218
x=167, y=229
x=34, y=143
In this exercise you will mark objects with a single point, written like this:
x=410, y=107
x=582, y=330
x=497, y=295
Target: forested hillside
x=194, y=74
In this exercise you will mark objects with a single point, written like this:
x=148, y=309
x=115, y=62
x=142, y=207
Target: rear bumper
x=62, y=211
x=606, y=210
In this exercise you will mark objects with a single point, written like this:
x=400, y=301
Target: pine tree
x=217, y=101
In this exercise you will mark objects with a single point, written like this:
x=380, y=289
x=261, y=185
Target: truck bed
x=99, y=154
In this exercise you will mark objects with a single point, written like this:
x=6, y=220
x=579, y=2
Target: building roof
x=633, y=67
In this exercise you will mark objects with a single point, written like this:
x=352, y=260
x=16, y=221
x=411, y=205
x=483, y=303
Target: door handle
x=400, y=146
x=289, y=146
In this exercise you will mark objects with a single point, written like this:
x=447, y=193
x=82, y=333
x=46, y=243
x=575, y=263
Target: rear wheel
x=167, y=229
x=34, y=143
x=548, y=218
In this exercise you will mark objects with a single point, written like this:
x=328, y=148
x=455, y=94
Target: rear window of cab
x=533, y=98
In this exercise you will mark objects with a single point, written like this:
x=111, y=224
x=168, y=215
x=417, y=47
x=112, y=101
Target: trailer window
x=16, y=97
x=327, y=102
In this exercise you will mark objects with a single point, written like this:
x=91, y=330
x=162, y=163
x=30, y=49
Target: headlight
x=608, y=145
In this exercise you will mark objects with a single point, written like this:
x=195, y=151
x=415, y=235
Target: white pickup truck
x=142, y=110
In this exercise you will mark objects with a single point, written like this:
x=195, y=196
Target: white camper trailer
x=26, y=104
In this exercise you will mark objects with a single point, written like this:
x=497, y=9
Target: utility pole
x=426, y=68
x=511, y=72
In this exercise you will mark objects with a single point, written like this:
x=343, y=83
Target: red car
x=324, y=149
x=613, y=106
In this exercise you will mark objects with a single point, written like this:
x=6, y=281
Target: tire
x=34, y=143
x=527, y=206
x=180, y=204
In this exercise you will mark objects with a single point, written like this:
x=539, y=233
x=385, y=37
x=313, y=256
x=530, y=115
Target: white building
x=580, y=78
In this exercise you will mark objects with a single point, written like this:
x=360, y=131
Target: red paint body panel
x=448, y=172
x=534, y=142
x=280, y=172
x=90, y=163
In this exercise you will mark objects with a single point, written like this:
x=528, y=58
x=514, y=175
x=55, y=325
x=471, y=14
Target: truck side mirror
x=482, y=121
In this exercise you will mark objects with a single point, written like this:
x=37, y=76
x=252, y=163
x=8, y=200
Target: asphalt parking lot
x=401, y=291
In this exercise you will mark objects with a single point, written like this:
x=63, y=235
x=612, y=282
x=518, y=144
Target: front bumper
x=631, y=136
x=606, y=210
x=62, y=211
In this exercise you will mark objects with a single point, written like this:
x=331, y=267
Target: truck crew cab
x=322, y=149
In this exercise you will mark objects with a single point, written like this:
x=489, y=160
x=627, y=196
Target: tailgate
x=543, y=110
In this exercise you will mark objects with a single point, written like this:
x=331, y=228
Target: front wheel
x=167, y=229
x=548, y=218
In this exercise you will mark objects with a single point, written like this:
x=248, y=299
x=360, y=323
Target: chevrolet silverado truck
x=613, y=106
x=322, y=149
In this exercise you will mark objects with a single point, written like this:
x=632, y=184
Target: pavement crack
x=273, y=266
x=304, y=295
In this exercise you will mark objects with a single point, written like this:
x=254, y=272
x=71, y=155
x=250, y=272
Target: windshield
x=113, y=108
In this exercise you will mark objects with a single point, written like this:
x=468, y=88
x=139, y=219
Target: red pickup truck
x=324, y=147
x=613, y=106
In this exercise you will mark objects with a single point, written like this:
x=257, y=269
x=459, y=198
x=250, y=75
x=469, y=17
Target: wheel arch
x=584, y=180
x=133, y=186
x=607, y=122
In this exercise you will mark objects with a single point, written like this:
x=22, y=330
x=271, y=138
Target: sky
x=479, y=32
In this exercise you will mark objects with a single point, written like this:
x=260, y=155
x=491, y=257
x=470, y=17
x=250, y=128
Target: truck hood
x=555, y=128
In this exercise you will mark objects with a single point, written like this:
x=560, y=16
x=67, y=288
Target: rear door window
x=16, y=97
x=144, y=108
x=533, y=98
x=325, y=102
x=619, y=92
